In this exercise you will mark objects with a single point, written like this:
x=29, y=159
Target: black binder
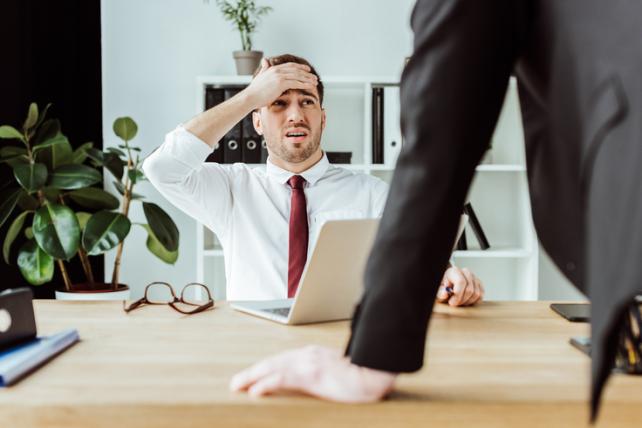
x=232, y=151
x=213, y=97
x=264, y=152
x=251, y=149
x=377, y=125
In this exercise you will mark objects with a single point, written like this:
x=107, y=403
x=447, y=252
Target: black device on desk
x=17, y=321
x=574, y=312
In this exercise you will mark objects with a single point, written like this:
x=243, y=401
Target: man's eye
x=278, y=103
x=308, y=102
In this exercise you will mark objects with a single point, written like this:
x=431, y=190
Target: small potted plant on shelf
x=62, y=213
x=245, y=16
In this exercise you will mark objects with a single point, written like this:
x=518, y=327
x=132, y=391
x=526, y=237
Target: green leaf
x=51, y=194
x=57, y=231
x=157, y=249
x=31, y=176
x=74, y=177
x=55, y=156
x=36, y=266
x=27, y=202
x=43, y=115
x=162, y=225
x=121, y=189
x=104, y=231
x=49, y=129
x=83, y=218
x=12, y=151
x=80, y=154
x=92, y=197
x=13, y=155
x=114, y=164
x=32, y=117
x=12, y=233
x=96, y=156
x=49, y=142
x=8, y=201
x=116, y=151
x=29, y=233
x=125, y=128
x=135, y=175
x=9, y=133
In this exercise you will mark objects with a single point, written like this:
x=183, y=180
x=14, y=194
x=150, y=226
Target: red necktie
x=298, y=245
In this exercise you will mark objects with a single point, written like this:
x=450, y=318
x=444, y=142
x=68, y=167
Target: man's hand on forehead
x=273, y=80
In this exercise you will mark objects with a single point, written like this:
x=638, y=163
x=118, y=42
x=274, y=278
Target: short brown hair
x=282, y=59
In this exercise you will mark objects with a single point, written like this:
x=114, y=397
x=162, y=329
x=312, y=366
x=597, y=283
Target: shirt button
x=570, y=266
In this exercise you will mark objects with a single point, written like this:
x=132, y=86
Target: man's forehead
x=314, y=94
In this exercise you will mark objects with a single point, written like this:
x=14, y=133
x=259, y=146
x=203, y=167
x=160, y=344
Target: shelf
x=213, y=253
x=327, y=80
x=377, y=167
x=500, y=252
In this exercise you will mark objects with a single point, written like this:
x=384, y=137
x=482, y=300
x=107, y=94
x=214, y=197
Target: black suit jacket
x=579, y=70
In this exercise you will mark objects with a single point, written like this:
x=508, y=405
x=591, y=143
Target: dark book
x=377, y=125
x=476, y=226
x=251, y=147
x=232, y=151
x=213, y=97
x=264, y=152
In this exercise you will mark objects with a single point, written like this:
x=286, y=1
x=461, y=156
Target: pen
x=449, y=289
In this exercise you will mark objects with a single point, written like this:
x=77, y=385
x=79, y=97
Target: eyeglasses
x=162, y=293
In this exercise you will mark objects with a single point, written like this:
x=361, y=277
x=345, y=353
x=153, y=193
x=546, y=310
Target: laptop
x=332, y=281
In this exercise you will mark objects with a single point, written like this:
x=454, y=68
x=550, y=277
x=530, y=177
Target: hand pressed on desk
x=317, y=371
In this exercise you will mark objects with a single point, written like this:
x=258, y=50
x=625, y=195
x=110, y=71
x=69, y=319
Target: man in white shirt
x=267, y=219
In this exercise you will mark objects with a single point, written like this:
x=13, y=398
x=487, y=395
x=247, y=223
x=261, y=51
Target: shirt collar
x=311, y=175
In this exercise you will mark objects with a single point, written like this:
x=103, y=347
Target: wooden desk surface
x=499, y=364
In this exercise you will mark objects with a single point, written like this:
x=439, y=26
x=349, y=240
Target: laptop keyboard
x=284, y=312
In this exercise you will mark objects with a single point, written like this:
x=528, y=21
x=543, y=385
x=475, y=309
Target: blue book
x=20, y=360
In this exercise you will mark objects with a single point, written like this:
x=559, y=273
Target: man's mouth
x=296, y=135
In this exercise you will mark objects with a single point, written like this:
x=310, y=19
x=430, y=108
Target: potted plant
x=244, y=15
x=54, y=192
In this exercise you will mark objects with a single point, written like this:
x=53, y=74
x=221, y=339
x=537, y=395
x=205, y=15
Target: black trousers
x=579, y=70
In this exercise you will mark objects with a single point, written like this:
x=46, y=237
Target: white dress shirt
x=249, y=208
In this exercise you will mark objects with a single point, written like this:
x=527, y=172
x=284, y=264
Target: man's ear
x=256, y=121
x=322, y=119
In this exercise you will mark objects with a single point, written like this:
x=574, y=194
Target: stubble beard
x=300, y=152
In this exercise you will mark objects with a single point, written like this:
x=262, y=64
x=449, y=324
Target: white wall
x=152, y=51
x=553, y=285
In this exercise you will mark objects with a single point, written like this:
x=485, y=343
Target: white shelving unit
x=499, y=194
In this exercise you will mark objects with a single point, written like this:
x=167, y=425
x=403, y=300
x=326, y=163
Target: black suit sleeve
x=451, y=93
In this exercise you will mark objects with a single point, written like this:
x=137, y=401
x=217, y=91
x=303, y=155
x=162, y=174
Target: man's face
x=292, y=125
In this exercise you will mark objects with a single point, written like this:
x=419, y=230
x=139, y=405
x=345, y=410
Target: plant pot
x=95, y=291
x=247, y=61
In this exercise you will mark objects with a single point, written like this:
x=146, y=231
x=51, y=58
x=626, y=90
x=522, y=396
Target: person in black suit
x=579, y=69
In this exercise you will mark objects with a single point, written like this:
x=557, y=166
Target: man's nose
x=294, y=113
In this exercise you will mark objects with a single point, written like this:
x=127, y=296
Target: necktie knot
x=296, y=182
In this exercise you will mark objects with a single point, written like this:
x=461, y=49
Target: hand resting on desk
x=465, y=288
x=317, y=371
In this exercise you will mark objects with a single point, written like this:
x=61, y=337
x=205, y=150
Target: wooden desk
x=500, y=364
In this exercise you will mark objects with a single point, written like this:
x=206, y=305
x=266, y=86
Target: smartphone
x=17, y=321
x=575, y=312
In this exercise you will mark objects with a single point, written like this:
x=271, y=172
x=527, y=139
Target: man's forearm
x=211, y=125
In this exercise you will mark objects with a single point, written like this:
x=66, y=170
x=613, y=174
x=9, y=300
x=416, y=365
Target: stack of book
x=242, y=143
x=386, y=129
